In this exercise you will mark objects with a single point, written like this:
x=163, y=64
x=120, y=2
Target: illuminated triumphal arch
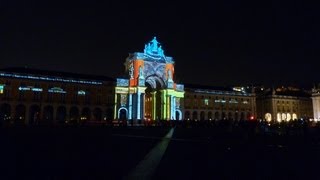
x=149, y=92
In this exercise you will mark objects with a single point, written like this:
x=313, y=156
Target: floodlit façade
x=149, y=93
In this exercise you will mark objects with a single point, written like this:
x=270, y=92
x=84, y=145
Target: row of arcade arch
x=202, y=115
x=123, y=114
x=23, y=114
x=281, y=117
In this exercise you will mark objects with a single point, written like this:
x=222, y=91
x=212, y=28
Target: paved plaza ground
x=156, y=153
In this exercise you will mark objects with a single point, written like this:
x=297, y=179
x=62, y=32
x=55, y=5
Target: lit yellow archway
x=268, y=117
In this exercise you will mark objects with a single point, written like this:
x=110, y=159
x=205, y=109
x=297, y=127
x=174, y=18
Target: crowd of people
x=298, y=126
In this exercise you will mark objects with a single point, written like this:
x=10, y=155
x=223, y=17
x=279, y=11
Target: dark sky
x=212, y=42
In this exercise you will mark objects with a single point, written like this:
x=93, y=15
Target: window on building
x=49, y=97
x=206, y=102
x=109, y=99
x=36, y=92
x=7, y=92
x=81, y=93
x=99, y=99
x=1, y=88
x=195, y=102
x=75, y=97
x=63, y=98
x=21, y=95
x=87, y=96
x=36, y=95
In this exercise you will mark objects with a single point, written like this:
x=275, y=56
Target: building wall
x=222, y=105
x=284, y=108
x=28, y=101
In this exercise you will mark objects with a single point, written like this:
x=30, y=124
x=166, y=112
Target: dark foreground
x=192, y=153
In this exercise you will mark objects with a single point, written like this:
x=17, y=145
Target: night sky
x=213, y=43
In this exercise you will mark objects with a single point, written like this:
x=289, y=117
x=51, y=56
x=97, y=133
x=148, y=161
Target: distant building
x=284, y=104
x=29, y=96
x=218, y=103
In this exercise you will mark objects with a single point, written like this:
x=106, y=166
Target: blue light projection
x=30, y=88
x=180, y=87
x=81, y=92
x=220, y=101
x=56, y=90
x=157, y=69
x=153, y=52
x=153, y=49
x=221, y=92
x=1, y=88
x=12, y=75
x=122, y=82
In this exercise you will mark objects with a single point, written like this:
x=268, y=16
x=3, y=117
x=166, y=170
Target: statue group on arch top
x=152, y=48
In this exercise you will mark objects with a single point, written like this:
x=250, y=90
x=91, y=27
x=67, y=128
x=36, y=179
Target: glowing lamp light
x=251, y=117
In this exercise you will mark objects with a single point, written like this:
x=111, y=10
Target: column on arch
x=172, y=108
x=115, y=114
x=163, y=105
x=168, y=112
x=154, y=105
x=138, y=105
x=130, y=107
x=143, y=104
